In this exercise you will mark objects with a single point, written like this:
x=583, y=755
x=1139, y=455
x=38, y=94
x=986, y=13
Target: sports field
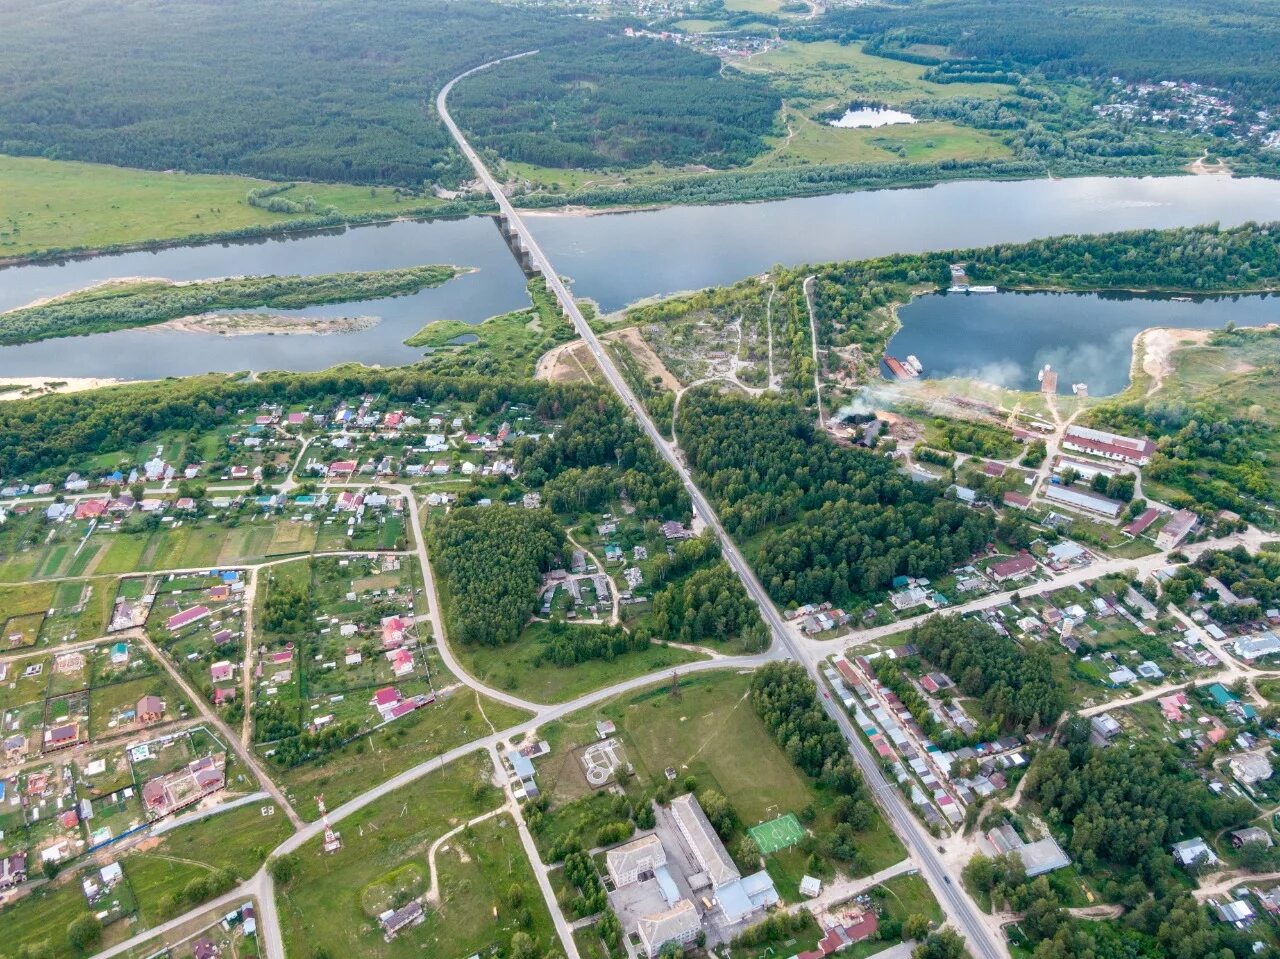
x=777, y=833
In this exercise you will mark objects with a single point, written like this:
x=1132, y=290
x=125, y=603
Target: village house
x=150, y=709
x=1019, y=567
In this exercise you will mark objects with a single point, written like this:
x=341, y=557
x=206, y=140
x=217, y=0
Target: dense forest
x=491, y=559
x=1229, y=44
x=1015, y=685
x=601, y=434
x=624, y=102
x=710, y=604
x=144, y=302
x=246, y=87
x=824, y=522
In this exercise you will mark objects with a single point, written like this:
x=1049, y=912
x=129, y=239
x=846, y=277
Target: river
x=1007, y=338
x=613, y=259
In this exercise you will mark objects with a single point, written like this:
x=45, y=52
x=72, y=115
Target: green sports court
x=777, y=833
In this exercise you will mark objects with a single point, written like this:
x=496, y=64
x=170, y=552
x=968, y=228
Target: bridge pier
x=515, y=245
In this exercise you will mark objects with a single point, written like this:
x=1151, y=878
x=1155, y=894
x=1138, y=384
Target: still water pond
x=1007, y=338
x=615, y=260
x=871, y=117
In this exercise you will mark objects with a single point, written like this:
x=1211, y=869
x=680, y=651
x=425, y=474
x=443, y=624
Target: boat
x=914, y=364
x=899, y=369
x=983, y=289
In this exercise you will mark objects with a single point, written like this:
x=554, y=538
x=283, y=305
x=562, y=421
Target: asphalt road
x=981, y=941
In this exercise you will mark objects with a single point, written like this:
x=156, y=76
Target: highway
x=982, y=942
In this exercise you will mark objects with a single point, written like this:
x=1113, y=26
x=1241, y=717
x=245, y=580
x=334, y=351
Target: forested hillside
x=296, y=90
x=609, y=106
x=1227, y=43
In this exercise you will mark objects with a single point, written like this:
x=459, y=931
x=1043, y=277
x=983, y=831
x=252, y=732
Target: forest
x=596, y=435
x=625, y=102
x=234, y=87
x=128, y=304
x=710, y=605
x=491, y=559
x=1016, y=686
x=823, y=522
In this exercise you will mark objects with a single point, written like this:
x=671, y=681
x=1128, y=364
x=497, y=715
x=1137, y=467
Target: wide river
x=615, y=260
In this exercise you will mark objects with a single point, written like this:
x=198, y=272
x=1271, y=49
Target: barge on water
x=904, y=370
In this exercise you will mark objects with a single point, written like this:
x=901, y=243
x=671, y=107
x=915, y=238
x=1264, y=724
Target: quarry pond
x=1006, y=339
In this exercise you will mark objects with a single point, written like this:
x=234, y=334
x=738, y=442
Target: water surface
x=1007, y=338
x=614, y=259
x=864, y=117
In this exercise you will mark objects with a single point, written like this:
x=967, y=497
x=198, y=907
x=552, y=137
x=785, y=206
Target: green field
x=817, y=142
x=512, y=668
x=829, y=74
x=48, y=204
x=711, y=733
x=323, y=903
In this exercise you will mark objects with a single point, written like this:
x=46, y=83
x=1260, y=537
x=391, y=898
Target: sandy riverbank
x=271, y=324
x=25, y=387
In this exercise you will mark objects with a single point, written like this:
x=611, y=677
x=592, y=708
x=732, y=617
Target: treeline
x=620, y=102
x=1016, y=685
x=832, y=523
x=491, y=559
x=145, y=302
x=739, y=185
x=565, y=644
x=709, y=605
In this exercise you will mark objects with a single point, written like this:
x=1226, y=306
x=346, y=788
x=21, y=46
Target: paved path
x=165, y=825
